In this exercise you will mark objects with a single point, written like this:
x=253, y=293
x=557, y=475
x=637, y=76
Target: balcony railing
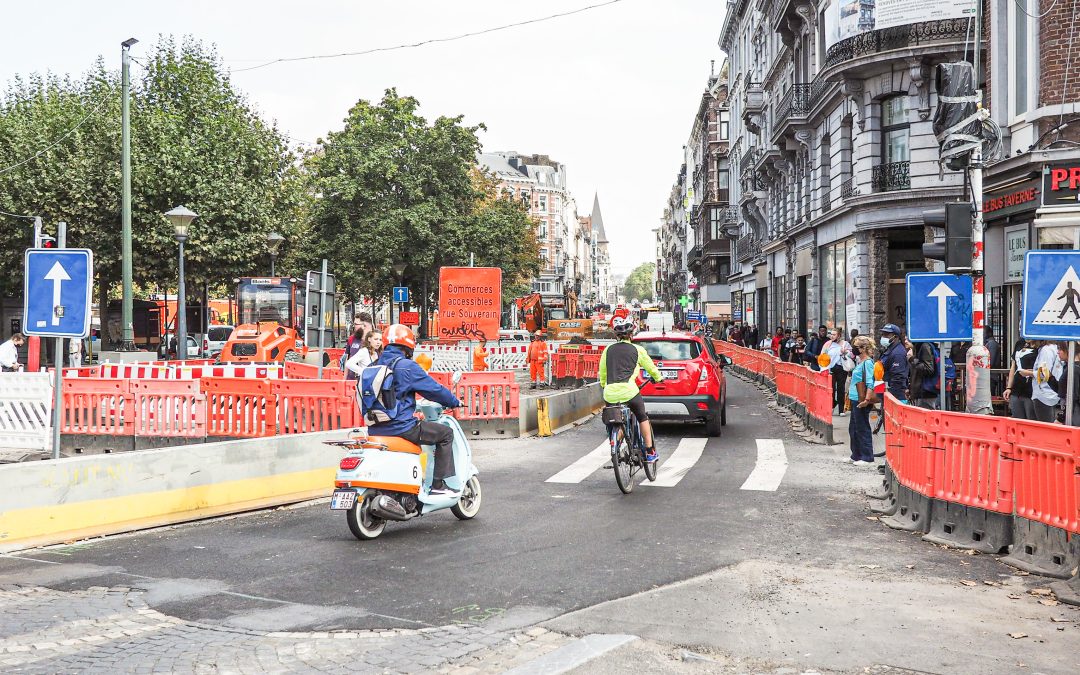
x=896, y=37
x=848, y=189
x=795, y=102
x=747, y=159
x=892, y=176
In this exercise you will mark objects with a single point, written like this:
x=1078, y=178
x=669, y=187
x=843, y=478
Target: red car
x=694, y=386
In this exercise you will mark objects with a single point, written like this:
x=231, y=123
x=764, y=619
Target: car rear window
x=220, y=333
x=671, y=350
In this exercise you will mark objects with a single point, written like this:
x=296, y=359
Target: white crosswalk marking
x=580, y=470
x=682, y=460
x=770, y=468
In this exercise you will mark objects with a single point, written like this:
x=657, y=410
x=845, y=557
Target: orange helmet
x=424, y=361
x=402, y=336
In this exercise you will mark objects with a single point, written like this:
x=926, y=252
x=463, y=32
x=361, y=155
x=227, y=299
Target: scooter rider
x=619, y=368
x=410, y=380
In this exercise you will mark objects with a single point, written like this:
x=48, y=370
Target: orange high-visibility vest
x=538, y=351
x=479, y=358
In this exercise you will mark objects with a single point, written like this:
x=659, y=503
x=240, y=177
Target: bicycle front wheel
x=650, y=467
x=621, y=461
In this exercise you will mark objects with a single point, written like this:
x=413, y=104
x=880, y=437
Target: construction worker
x=479, y=358
x=537, y=356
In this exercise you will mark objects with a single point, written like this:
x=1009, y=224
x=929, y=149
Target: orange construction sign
x=470, y=303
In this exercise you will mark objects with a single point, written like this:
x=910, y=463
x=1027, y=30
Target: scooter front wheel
x=469, y=503
x=362, y=524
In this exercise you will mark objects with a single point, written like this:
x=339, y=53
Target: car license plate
x=343, y=500
x=670, y=374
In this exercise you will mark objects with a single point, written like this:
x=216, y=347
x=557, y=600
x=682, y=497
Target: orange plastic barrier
x=974, y=465
x=819, y=394
x=590, y=367
x=916, y=447
x=314, y=405
x=172, y=408
x=488, y=401
x=1046, y=480
x=94, y=406
x=240, y=408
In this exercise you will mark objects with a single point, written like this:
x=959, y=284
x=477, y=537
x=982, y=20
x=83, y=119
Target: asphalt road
x=582, y=557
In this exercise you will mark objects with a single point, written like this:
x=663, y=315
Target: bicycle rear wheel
x=621, y=461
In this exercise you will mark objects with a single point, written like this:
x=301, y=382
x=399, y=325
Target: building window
x=723, y=183
x=543, y=230
x=1020, y=54
x=544, y=255
x=542, y=199
x=833, y=260
x=725, y=125
x=894, y=171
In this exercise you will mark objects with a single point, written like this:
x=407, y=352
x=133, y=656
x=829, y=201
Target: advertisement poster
x=851, y=284
x=1016, y=245
x=847, y=18
x=470, y=303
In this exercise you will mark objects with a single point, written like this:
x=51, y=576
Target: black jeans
x=840, y=393
x=442, y=437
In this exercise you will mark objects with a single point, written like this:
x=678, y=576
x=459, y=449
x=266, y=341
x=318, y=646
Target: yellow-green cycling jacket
x=619, y=363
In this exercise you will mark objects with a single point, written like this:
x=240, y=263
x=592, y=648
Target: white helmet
x=623, y=326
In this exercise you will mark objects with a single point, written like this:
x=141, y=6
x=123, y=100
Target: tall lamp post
x=181, y=218
x=399, y=273
x=127, y=328
x=273, y=244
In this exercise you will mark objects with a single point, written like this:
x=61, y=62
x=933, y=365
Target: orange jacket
x=538, y=351
x=479, y=358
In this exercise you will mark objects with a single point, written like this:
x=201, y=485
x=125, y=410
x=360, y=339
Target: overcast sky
x=610, y=92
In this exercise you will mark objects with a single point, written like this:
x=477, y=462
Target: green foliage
x=640, y=284
x=396, y=189
x=195, y=141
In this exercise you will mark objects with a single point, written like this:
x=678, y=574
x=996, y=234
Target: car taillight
x=350, y=463
x=702, y=406
x=205, y=345
x=704, y=375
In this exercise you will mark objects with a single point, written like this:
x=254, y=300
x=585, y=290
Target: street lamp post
x=273, y=244
x=127, y=328
x=181, y=218
x=399, y=272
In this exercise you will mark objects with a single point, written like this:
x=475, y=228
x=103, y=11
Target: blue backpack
x=378, y=397
x=930, y=384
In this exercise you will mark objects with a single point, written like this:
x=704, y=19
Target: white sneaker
x=847, y=460
x=841, y=414
x=861, y=462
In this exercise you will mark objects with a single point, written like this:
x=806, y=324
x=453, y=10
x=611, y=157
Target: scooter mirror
x=457, y=377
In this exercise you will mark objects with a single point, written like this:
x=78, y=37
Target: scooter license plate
x=343, y=500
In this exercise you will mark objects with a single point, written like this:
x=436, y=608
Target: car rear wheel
x=723, y=414
x=714, y=424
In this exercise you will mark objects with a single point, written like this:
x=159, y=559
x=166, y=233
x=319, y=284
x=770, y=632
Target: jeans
x=442, y=436
x=862, y=439
x=840, y=393
x=1045, y=413
x=926, y=403
x=1021, y=407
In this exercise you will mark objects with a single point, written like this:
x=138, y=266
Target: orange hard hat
x=402, y=336
x=423, y=359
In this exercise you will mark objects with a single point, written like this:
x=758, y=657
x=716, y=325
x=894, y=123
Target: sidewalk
x=842, y=437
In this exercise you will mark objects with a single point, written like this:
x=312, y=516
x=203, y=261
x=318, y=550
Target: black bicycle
x=627, y=446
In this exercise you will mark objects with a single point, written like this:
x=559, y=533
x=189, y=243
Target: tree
x=397, y=189
x=640, y=284
x=195, y=141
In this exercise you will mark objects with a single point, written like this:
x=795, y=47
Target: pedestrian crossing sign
x=1051, y=297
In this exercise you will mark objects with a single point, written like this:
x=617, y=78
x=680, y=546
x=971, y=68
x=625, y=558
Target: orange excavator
x=530, y=312
x=270, y=311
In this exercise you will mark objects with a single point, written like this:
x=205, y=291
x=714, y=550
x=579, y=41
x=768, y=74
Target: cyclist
x=619, y=364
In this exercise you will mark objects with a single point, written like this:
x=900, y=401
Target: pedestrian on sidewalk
x=362, y=325
x=367, y=355
x=894, y=360
x=834, y=351
x=862, y=397
x=814, y=344
x=75, y=352
x=1063, y=384
x=9, y=354
x=923, y=377
x=1047, y=369
x=1018, y=392
x=777, y=341
x=537, y=356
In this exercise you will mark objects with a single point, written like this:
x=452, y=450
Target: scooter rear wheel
x=362, y=524
x=469, y=503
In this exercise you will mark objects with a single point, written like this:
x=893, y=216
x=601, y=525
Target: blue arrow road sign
x=1051, y=297
x=939, y=307
x=401, y=294
x=56, y=292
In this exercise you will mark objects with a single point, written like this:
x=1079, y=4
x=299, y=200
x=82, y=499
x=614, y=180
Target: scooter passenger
x=409, y=380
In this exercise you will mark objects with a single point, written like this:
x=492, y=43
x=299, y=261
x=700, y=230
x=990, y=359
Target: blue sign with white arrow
x=401, y=294
x=56, y=292
x=939, y=307
x=1050, y=309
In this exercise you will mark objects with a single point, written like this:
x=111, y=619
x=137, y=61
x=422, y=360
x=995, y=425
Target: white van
x=216, y=339
x=660, y=321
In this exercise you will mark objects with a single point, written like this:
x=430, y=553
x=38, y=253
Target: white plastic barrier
x=447, y=358
x=508, y=357
x=136, y=371
x=26, y=411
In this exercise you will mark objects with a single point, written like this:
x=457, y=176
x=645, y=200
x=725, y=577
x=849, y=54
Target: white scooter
x=384, y=478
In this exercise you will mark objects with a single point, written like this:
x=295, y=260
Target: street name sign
x=401, y=294
x=56, y=292
x=1050, y=309
x=939, y=307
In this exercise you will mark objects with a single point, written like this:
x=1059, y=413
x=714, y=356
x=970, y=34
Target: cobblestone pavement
x=111, y=630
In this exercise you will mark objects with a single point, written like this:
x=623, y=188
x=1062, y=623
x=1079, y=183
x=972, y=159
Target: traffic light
x=955, y=251
x=46, y=241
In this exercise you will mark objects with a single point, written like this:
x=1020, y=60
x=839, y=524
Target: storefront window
x=1056, y=237
x=833, y=276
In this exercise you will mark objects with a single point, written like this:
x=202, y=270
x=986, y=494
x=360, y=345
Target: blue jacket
x=409, y=380
x=894, y=362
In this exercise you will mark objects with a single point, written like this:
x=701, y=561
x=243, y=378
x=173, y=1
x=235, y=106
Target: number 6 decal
x=415, y=472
